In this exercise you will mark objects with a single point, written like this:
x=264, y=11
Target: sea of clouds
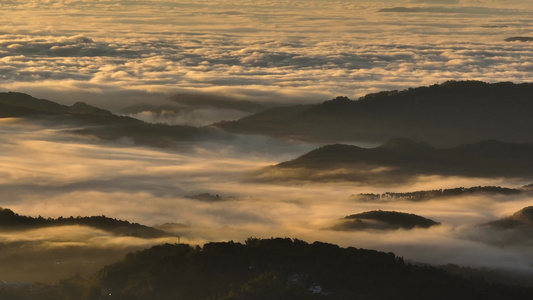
x=118, y=53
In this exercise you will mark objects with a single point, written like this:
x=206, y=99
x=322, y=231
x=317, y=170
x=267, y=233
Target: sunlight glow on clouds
x=263, y=51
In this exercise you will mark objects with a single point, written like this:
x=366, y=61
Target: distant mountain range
x=401, y=159
x=383, y=220
x=10, y=220
x=451, y=113
x=101, y=123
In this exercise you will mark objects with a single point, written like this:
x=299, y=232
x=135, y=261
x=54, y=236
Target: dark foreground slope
x=277, y=269
x=443, y=114
x=93, y=121
x=400, y=160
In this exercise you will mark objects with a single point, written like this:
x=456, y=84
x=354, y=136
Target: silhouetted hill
x=12, y=221
x=400, y=160
x=452, y=113
x=278, y=268
x=383, y=220
x=101, y=123
x=32, y=104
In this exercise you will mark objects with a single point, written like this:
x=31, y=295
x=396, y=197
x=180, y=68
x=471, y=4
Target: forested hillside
x=451, y=113
x=277, y=268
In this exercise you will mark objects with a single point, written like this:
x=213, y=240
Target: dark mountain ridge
x=101, y=123
x=43, y=106
x=13, y=221
x=451, y=113
x=403, y=158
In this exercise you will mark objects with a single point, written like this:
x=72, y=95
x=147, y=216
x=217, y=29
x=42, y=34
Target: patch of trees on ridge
x=440, y=193
x=11, y=220
x=277, y=268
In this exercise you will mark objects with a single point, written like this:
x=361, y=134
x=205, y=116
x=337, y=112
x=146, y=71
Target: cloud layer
x=118, y=53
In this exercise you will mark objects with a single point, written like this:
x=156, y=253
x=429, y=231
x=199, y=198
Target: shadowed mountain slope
x=443, y=114
x=90, y=120
x=400, y=159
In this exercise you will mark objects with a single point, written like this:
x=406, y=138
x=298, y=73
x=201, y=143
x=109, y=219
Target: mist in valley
x=52, y=173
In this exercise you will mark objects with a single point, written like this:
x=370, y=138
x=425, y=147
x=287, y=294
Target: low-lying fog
x=51, y=173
